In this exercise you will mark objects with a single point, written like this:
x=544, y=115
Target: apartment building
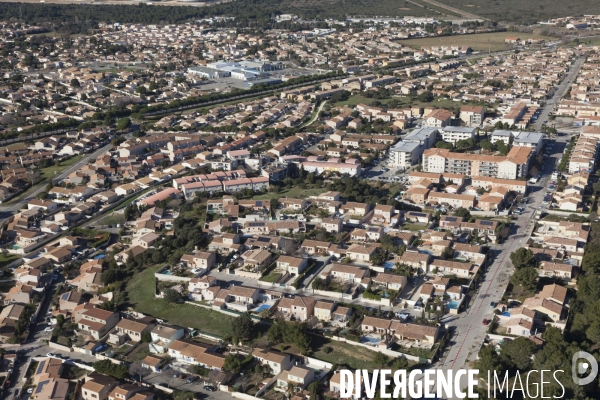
x=453, y=134
x=408, y=151
x=514, y=165
x=472, y=115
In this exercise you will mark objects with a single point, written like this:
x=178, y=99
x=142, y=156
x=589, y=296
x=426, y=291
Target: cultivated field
x=478, y=42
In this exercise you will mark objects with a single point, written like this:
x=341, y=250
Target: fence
x=388, y=352
x=57, y=346
x=243, y=396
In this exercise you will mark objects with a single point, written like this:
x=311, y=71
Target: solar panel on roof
x=40, y=367
x=486, y=223
x=451, y=219
x=41, y=385
x=263, y=239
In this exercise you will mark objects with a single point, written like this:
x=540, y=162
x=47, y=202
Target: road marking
x=479, y=308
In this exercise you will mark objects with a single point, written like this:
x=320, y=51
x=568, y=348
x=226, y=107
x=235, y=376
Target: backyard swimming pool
x=453, y=304
x=373, y=341
x=263, y=307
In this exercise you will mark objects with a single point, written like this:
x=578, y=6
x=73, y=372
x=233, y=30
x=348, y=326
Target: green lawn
x=294, y=193
x=141, y=297
x=272, y=277
x=414, y=227
x=50, y=172
x=7, y=258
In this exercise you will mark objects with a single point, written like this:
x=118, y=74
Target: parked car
x=485, y=321
x=190, y=379
x=209, y=388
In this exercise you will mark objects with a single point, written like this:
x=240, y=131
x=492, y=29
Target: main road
x=7, y=210
x=469, y=329
x=560, y=91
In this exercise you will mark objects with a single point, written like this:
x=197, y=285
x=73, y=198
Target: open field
x=141, y=297
x=522, y=12
x=406, y=101
x=295, y=193
x=49, y=172
x=478, y=42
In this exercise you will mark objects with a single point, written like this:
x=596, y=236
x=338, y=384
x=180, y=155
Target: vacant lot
x=294, y=193
x=407, y=101
x=141, y=297
x=477, y=42
x=50, y=172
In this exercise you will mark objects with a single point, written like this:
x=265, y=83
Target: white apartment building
x=453, y=134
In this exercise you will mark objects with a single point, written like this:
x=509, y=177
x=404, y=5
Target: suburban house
x=300, y=307
x=128, y=330
x=163, y=336
x=324, y=310
x=298, y=375
x=345, y=273
x=276, y=360
x=292, y=265
x=98, y=322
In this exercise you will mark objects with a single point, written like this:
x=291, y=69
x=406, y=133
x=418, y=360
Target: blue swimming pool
x=388, y=265
x=453, y=304
x=167, y=272
x=370, y=340
x=263, y=307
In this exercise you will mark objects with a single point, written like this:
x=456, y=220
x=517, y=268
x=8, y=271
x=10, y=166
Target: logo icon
x=583, y=363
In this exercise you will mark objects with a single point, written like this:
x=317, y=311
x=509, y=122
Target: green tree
x=525, y=277
x=123, y=124
x=502, y=147
x=183, y=395
x=444, y=145
x=488, y=361
x=107, y=367
x=462, y=212
x=242, y=326
x=381, y=359
x=448, y=253
x=517, y=353
x=172, y=296
x=146, y=337
x=75, y=83
x=486, y=145
x=522, y=258
x=232, y=363
x=425, y=97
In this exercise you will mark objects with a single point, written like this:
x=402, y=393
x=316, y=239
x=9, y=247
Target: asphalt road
x=469, y=329
x=560, y=91
x=37, y=189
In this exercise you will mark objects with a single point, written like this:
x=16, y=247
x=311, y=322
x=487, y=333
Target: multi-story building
x=472, y=115
x=453, y=134
x=514, y=165
x=408, y=151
